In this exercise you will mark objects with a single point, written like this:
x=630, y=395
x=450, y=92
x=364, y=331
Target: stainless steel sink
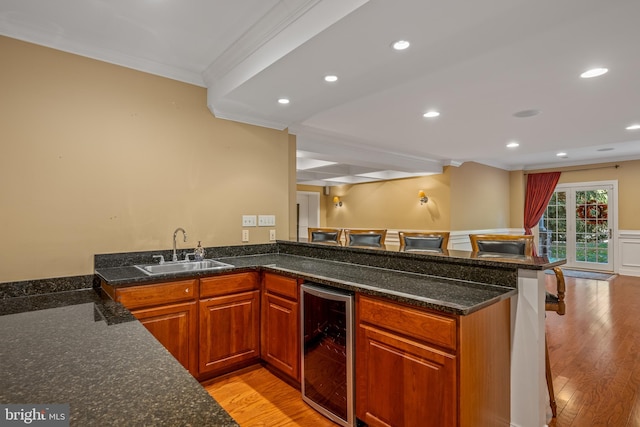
x=183, y=266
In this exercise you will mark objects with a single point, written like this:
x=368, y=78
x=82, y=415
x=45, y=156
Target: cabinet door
x=401, y=382
x=229, y=331
x=175, y=327
x=281, y=334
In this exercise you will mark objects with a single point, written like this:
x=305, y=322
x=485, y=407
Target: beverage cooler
x=327, y=352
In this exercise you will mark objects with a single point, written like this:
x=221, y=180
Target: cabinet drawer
x=280, y=285
x=228, y=284
x=161, y=293
x=411, y=322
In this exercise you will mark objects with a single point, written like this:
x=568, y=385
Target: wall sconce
x=337, y=202
x=423, y=198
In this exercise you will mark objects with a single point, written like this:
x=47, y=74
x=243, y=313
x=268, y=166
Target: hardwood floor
x=595, y=354
x=595, y=361
x=255, y=397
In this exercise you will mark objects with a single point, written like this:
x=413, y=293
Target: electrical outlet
x=272, y=235
x=248, y=220
x=245, y=235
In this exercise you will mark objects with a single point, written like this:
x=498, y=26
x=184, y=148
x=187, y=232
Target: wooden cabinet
x=414, y=366
x=175, y=327
x=417, y=367
x=229, y=322
x=169, y=312
x=280, y=334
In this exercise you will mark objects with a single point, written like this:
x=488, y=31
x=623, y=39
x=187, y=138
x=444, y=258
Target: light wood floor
x=595, y=361
x=255, y=397
x=595, y=354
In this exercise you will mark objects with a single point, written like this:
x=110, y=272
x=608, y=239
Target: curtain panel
x=540, y=188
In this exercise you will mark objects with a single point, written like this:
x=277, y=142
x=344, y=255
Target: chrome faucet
x=175, y=233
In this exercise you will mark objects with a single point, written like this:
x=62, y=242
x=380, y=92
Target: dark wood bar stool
x=554, y=303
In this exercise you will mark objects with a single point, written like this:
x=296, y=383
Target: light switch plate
x=266, y=220
x=248, y=220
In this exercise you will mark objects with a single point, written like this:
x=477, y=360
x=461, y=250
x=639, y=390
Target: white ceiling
x=476, y=62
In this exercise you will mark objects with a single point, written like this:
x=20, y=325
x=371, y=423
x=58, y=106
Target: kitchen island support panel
x=528, y=388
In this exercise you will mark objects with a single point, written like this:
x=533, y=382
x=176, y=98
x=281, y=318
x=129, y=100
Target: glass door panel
x=592, y=232
x=576, y=227
x=553, y=228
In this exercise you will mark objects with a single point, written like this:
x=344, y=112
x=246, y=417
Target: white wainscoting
x=628, y=259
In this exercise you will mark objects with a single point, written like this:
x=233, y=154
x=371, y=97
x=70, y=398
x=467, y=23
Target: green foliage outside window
x=592, y=227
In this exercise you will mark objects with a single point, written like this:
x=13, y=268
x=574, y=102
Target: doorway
x=308, y=212
x=579, y=224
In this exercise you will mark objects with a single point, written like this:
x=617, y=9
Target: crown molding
x=251, y=120
x=288, y=25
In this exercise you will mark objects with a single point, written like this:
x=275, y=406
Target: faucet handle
x=161, y=258
x=186, y=255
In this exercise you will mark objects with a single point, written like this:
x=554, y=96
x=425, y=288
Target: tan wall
x=472, y=196
x=628, y=177
x=293, y=187
x=484, y=198
x=517, y=189
x=98, y=158
x=480, y=197
x=392, y=204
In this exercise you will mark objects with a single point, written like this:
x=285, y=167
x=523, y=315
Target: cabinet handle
x=186, y=291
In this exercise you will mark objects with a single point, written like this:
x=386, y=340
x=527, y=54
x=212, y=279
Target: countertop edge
x=408, y=298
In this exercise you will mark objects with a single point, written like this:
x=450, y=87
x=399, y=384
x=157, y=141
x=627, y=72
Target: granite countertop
x=80, y=349
x=448, y=295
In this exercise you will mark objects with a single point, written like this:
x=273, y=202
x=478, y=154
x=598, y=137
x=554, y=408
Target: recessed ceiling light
x=401, y=45
x=526, y=113
x=330, y=78
x=283, y=101
x=513, y=144
x=594, y=72
x=633, y=127
x=431, y=114
x=561, y=154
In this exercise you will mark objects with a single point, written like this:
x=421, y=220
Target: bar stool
x=554, y=303
x=370, y=238
x=325, y=235
x=423, y=240
x=523, y=245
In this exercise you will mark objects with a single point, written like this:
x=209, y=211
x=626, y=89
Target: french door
x=579, y=224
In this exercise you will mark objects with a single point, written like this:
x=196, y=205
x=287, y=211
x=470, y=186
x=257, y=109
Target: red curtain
x=540, y=188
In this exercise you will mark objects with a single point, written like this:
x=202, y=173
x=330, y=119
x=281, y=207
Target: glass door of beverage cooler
x=327, y=352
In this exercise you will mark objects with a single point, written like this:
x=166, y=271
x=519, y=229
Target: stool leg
x=552, y=396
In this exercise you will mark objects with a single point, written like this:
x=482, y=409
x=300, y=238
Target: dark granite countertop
x=448, y=295
x=78, y=348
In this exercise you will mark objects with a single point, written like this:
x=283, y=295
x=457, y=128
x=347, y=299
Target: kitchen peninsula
x=82, y=349
x=458, y=284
